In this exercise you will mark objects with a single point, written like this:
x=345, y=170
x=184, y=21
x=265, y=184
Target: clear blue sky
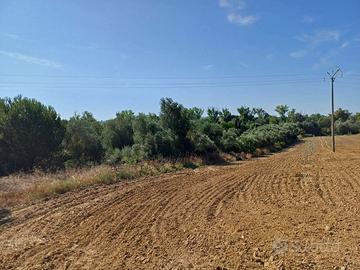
x=106, y=56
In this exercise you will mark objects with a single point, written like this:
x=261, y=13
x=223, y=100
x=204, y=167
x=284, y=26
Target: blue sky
x=106, y=56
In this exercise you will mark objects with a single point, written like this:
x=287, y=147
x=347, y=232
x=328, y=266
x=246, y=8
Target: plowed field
x=298, y=209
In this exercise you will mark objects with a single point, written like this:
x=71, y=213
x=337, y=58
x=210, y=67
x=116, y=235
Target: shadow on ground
x=5, y=216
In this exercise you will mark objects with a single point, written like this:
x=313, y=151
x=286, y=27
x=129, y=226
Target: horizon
x=233, y=111
x=105, y=58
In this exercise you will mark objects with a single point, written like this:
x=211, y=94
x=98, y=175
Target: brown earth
x=298, y=209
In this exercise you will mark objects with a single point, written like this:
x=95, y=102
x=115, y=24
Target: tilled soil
x=298, y=209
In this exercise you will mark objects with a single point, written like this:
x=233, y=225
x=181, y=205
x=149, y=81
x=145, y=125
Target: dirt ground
x=298, y=209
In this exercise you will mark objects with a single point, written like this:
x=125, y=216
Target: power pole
x=332, y=76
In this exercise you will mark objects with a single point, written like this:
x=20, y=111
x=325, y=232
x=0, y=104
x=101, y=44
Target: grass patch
x=41, y=185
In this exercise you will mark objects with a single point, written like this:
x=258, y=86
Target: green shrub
x=124, y=175
x=134, y=154
x=201, y=143
x=268, y=136
x=213, y=130
x=107, y=177
x=113, y=156
x=347, y=127
x=229, y=141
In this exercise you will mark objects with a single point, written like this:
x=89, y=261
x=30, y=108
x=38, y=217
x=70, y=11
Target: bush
x=229, y=141
x=213, y=130
x=155, y=139
x=113, y=156
x=134, y=154
x=201, y=143
x=311, y=128
x=347, y=127
x=269, y=136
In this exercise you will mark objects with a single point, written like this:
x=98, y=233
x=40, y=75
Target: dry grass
x=25, y=188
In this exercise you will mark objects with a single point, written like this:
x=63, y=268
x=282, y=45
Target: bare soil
x=298, y=209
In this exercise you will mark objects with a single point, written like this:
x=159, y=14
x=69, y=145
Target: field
x=297, y=209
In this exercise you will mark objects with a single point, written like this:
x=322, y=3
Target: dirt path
x=298, y=209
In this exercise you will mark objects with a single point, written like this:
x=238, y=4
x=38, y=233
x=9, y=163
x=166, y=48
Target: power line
x=161, y=84
x=153, y=77
x=210, y=82
x=154, y=86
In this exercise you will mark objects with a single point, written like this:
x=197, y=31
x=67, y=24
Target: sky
x=108, y=56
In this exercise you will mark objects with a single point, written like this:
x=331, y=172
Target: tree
x=3, y=150
x=311, y=128
x=225, y=116
x=82, y=141
x=213, y=115
x=118, y=132
x=282, y=110
x=174, y=117
x=154, y=139
x=212, y=130
x=342, y=115
x=323, y=122
x=33, y=135
x=261, y=116
x=195, y=113
x=295, y=117
x=357, y=117
x=347, y=127
x=245, y=119
x=273, y=119
x=30, y=133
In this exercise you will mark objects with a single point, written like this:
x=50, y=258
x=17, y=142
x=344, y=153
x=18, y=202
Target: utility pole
x=332, y=76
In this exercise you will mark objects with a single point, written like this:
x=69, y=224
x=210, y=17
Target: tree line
x=33, y=135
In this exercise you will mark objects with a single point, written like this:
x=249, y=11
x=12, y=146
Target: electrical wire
x=197, y=82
